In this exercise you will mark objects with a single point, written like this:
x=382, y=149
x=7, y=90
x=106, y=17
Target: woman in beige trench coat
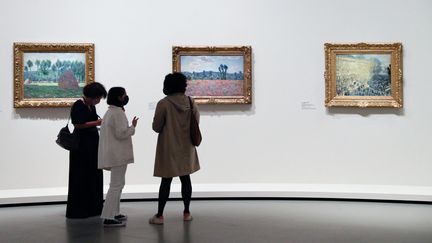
x=175, y=154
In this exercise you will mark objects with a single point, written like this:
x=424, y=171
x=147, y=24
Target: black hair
x=94, y=90
x=114, y=94
x=174, y=83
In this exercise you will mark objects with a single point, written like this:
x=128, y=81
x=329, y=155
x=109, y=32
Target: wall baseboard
x=240, y=190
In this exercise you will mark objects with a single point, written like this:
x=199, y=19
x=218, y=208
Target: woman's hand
x=98, y=122
x=135, y=121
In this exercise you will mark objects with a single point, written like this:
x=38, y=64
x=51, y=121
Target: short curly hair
x=174, y=83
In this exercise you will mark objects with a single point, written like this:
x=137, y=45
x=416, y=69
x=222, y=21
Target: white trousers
x=112, y=201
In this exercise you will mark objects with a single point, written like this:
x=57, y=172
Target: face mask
x=125, y=100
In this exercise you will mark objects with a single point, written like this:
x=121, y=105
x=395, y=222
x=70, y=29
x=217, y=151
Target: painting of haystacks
x=54, y=75
x=51, y=74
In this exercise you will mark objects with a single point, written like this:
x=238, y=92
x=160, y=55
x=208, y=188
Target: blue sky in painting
x=211, y=63
x=385, y=59
x=54, y=56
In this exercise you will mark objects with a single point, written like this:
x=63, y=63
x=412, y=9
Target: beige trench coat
x=175, y=154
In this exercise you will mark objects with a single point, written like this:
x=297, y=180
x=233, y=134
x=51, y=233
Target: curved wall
x=273, y=147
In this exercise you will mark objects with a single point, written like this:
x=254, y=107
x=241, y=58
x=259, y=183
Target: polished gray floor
x=230, y=221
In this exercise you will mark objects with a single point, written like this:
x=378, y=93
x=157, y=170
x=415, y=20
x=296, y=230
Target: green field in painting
x=50, y=90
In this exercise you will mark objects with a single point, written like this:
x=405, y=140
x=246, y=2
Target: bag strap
x=191, y=106
x=70, y=115
x=67, y=124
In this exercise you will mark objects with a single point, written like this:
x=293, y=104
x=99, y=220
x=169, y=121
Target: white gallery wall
x=285, y=144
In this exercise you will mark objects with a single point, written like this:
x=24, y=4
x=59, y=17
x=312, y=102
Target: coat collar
x=115, y=107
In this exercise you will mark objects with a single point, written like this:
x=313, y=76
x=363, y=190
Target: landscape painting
x=54, y=75
x=363, y=75
x=51, y=75
x=213, y=75
x=216, y=75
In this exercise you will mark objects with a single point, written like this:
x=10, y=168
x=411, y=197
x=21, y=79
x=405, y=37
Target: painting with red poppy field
x=216, y=74
x=213, y=75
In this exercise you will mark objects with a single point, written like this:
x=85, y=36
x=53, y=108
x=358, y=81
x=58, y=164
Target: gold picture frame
x=216, y=74
x=51, y=74
x=363, y=75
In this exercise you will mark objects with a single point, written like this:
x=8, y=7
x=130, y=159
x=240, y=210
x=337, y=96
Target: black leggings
x=164, y=191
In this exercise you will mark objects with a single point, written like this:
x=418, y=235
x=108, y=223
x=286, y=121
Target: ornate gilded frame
x=395, y=100
x=20, y=48
x=245, y=51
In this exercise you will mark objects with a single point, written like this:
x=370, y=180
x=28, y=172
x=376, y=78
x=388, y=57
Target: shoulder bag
x=195, y=132
x=66, y=139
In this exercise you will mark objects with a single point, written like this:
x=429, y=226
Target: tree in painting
x=56, y=75
x=213, y=75
x=363, y=75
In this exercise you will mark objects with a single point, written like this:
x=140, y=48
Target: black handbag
x=195, y=132
x=66, y=139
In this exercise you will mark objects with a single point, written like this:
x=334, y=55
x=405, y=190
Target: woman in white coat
x=115, y=153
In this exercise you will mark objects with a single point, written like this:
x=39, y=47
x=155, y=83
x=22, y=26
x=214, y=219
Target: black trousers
x=164, y=191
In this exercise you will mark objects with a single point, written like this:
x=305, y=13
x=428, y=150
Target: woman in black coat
x=85, y=192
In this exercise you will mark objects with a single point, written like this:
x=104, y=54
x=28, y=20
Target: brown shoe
x=187, y=217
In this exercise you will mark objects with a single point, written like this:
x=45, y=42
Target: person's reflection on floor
x=160, y=234
x=186, y=231
x=77, y=229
